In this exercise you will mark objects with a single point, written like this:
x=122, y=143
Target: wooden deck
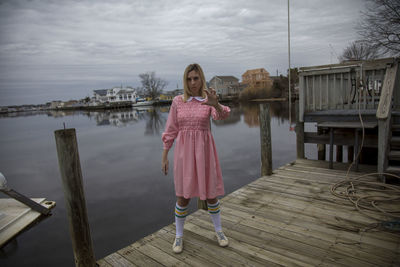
x=287, y=219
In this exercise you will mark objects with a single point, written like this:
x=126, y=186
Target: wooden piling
x=265, y=135
x=321, y=147
x=71, y=175
x=299, y=133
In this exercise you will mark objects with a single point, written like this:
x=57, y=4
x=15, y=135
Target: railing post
x=71, y=176
x=266, y=145
x=383, y=114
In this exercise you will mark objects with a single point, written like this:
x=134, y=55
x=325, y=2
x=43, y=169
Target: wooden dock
x=287, y=219
x=15, y=217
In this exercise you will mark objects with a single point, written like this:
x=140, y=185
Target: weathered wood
x=301, y=101
x=383, y=146
x=266, y=144
x=17, y=217
x=299, y=133
x=71, y=176
x=385, y=102
x=321, y=151
x=289, y=218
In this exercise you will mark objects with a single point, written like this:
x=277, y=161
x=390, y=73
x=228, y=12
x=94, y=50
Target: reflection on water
x=155, y=122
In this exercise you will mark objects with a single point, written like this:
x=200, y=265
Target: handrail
x=385, y=102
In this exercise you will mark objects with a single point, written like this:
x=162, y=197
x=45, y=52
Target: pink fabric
x=197, y=172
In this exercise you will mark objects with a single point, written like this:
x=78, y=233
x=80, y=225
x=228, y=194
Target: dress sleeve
x=220, y=115
x=171, y=128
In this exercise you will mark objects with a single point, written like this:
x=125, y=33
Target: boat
x=143, y=103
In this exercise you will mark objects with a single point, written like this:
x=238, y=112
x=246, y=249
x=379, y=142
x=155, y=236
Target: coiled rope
x=377, y=197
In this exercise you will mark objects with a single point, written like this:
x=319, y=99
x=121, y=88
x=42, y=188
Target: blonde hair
x=186, y=91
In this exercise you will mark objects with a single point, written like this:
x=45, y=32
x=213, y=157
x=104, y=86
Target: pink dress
x=197, y=172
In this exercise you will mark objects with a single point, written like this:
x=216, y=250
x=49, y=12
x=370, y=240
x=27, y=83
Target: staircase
x=394, y=147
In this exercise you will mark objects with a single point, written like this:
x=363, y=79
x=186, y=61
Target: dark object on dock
x=19, y=213
x=21, y=198
x=71, y=175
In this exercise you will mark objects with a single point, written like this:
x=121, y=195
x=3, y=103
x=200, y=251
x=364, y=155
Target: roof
x=254, y=71
x=227, y=78
x=102, y=92
x=125, y=91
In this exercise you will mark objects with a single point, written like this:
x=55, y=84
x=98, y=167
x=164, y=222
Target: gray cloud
x=50, y=49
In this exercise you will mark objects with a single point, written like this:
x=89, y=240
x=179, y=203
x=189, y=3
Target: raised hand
x=212, y=97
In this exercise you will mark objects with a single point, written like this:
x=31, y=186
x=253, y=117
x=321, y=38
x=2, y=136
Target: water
x=120, y=151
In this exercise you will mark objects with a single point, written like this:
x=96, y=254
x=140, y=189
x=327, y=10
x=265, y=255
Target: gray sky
x=61, y=50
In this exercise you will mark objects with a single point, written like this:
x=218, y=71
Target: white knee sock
x=180, y=216
x=214, y=211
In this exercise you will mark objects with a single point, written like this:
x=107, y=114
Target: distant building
x=257, y=78
x=168, y=95
x=224, y=85
x=55, y=104
x=116, y=94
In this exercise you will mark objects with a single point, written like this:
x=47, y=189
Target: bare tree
x=152, y=85
x=380, y=26
x=359, y=50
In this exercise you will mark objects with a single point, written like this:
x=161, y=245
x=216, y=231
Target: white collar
x=199, y=98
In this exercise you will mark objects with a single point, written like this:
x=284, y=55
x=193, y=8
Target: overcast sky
x=61, y=50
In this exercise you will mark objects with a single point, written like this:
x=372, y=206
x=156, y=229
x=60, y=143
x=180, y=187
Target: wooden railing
x=350, y=85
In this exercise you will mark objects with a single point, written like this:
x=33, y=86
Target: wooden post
x=71, y=175
x=331, y=136
x=383, y=147
x=350, y=153
x=299, y=133
x=321, y=147
x=339, y=153
x=265, y=135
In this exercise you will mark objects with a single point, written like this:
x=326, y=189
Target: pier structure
x=352, y=102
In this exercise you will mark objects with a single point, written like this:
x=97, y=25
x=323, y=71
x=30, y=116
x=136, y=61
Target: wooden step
x=394, y=155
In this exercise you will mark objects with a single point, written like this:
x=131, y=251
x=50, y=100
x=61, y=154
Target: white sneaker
x=222, y=239
x=177, y=247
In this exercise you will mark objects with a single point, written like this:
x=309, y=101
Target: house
x=116, y=94
x=223, y=84
x=55, y=104
x=168, y=95
x=257, y=78
x=100, y=95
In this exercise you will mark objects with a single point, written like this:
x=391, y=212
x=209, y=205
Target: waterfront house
x=224, y=85
x=257, y=78
x=114, y=95
x=168, y=95
x=55, y=104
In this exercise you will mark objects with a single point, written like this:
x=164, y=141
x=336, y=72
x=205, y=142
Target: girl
x=197, y=172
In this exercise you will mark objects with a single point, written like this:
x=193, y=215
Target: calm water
x=120, y=151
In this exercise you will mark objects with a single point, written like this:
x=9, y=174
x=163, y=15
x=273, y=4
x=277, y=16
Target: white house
x=116, y=94
x=223, y=84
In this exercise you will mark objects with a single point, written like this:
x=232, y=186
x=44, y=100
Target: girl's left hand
x=212, y=98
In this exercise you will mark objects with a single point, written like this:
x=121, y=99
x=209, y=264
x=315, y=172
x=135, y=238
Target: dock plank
x=16, y=217
x=287, y=219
